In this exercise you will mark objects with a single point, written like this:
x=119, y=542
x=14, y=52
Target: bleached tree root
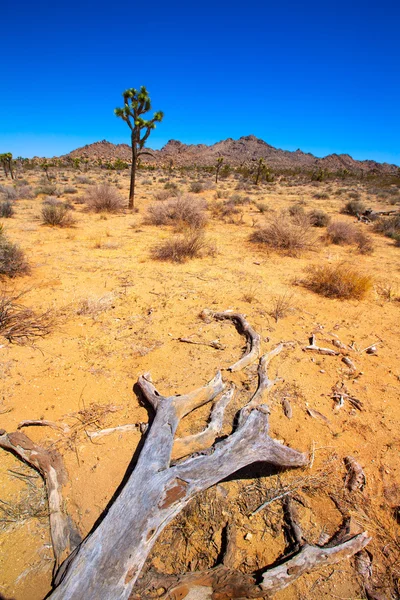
x=226, y=583
x=64, y=535
x=253, y=339
x=314, y=348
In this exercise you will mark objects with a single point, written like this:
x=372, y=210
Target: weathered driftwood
x=64, y=535
x=252, y=337
x=110, y=560
x=119, y=429
x=43, y=423
x=224, y=582
x=312, y=347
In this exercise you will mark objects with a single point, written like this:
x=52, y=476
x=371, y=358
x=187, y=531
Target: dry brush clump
x=12, y=258
x=340, y=281
x=347, y=234
x=19, y=324
x=191, y=244
x=103, y=198
x=354, y=207
x=182, y=212
x=389, y=227
x=286, y=234
x=319, y=218
x=56, y=213
x=6, y=209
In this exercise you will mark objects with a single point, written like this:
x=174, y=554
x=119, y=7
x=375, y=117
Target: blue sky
x=319, y=76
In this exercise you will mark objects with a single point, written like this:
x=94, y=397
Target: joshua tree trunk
x=133, y=176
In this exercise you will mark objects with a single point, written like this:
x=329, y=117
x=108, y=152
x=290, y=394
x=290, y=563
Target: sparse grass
x=184, y=211
x=340, y=281
x=282, y=305
x=289, y=235
x=178, y=249
x=93, y=306
x=56, y=214
x=103, y=198
x=319, y=218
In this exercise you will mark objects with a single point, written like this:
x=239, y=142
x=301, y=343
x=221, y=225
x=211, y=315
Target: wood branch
x=314, y=348
x=119, y=429
x=200, y=441
x=49, y=464
x=244, y=328
x=216, y=344
x=110, y=560
x=225, y=583
x=264, y=383
x=43, y=423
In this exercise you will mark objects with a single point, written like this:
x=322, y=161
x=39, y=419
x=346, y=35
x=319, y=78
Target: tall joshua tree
x=6, y=161
x=218, y=166
x=136, y=104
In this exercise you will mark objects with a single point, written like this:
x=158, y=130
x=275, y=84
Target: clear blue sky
x=320, y=76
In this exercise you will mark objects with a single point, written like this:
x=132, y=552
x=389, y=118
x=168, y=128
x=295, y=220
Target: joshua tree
x=6, y=161
x=136, y=104
x=218, y=168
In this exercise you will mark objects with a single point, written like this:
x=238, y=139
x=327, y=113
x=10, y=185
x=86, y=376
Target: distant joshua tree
x=6, y=162
x=218, y=168
x=136, y=104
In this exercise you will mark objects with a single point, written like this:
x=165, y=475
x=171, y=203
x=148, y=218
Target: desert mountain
x=235, y=152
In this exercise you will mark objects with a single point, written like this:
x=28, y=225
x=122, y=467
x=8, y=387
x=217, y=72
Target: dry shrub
x=162, y=195
x=390, y=226
x=103, y=198
x=342, y=233
x=354, y=207
x=196, y=187
x=338, y=281
x=319, y=218
x=227, y=211
x=185, y=211
x=191, y=244
x=19, y=324
x=290, y=235
x=93, y=306
x=12, y=258
x=56, y=214
x=6, y=209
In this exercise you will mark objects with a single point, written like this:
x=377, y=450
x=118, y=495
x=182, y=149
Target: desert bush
x=103, y=198
x=6, y=209
x=239, y=199
x=389, y=226
x=321, y=196
x=355, y=195
x=48, y=189
x=319, y=218
x=365, y=243
x=290, y=235
x=226, y=211
x=262, y=207
x=338, y=281
x=196, y=187
x=183, y=211
x=70, y=190
x=56, y=214
x=12, y=258
x=180, y=248
x=172, y=186
x=83, y=179
x=342, y=233
x=296, y=210
x=162, y=195
x=354, y=208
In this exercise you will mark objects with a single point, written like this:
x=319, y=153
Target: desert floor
x=118, y=313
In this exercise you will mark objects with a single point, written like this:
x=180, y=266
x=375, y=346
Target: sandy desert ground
x=118, y=313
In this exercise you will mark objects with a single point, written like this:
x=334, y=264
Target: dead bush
x=390, y=226
x=290, y=235
x=178, y=249
x=103, y=198
x=196, y=187
x=6, y=209
x=56, y=214
x=365, y=243
x=184, y=211
x=19, y=324
x=338, y=281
